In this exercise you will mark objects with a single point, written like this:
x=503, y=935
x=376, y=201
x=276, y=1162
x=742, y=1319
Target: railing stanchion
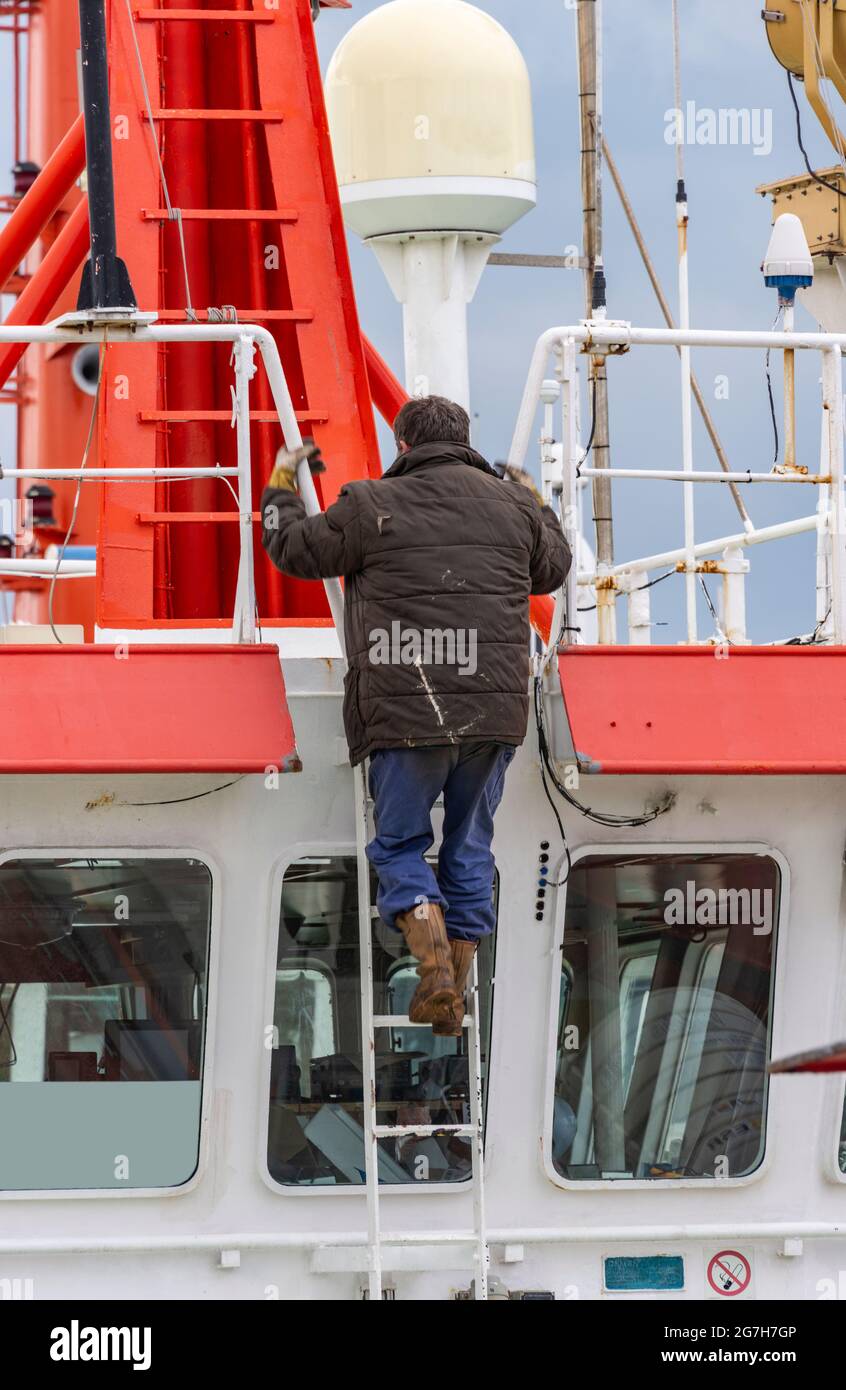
x=833, y=406
x=571, y=453
x=244, y=617
x=634, y=585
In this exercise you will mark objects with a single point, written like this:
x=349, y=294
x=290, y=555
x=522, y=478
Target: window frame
x=833, y=1171
x=50, y=852
x=635, y=849
x=834, y=1103
x=357, y=1192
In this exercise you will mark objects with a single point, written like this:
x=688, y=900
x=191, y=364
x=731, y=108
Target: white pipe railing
x=624, y=335
x=95, y=474
x=743, y=538
x=830, y=523
x=677, y=475
x=40, y=569
x=245, y=338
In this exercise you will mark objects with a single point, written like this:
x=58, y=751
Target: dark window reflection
x=665, y=1017
x=316, y=1116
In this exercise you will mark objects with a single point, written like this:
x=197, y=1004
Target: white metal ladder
x=373, y=1131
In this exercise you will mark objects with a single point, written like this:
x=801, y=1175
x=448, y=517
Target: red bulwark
x=694, y=710
x=144, y=709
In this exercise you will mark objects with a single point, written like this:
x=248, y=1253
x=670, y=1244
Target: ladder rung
x=168, y=518
x=230, y=16
x=244, y=315
x=403, y=1021
x=187, y=417
x=223, y=214
x=423, y=1131
x=210, y=113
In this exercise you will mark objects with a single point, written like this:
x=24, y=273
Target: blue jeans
x=405, y=784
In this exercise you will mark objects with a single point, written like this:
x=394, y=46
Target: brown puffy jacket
x=439, y=557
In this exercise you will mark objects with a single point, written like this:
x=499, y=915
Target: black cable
x=561, y=881
x=772, y=402
x=177, y=800
x=659, y=580
x=589, y=444
x=650, y=585
x=89, y=440
x=714, y=614
x=608, y=819
x=812, y=640
x=814, y=175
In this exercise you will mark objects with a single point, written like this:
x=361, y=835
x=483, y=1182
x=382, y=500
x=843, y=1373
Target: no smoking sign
x=729, y=1273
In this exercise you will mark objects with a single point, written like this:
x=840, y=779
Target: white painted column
x=634, y=583
x=435, y=275
x=733, y=616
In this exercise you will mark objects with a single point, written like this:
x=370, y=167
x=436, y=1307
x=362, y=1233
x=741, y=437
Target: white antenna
x=682, y=220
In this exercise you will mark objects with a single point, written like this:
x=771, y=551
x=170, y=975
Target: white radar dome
x=430, y=112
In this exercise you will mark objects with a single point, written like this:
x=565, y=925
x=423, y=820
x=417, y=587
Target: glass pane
x=315, y=1134
x=665, y=1017
x=102, y=984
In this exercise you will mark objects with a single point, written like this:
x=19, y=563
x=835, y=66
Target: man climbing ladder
x=439, y=557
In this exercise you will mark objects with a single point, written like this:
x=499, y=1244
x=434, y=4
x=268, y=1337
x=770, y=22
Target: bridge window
x=315, y=1129
x=102, y=1016
x=665, y=1013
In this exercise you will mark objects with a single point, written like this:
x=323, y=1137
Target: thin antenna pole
x=589, y=49
x=105, y=281
x=682, y=220
x=677, y=90
x=649, y=266
x=17, y=30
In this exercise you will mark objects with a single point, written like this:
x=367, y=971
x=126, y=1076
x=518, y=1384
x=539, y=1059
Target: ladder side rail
x=477, y=1117
x=244, y=617
x=368, y=1039
x=833, y=408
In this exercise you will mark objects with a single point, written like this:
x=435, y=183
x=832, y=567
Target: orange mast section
x=236, y=100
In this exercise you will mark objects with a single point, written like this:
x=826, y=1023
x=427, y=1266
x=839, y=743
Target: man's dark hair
x=432, y=420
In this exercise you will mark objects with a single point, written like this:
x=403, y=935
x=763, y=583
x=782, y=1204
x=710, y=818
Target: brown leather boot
x=449, y=1024
x=425, y=932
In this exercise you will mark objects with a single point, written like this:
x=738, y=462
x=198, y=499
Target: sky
x=726, y=63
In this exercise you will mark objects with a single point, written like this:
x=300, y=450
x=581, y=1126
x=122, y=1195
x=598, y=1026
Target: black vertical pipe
x=105, y=279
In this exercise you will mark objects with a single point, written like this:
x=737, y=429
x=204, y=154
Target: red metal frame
x=42, y=200
x=146, y=708
x=694, y=711
x=61, y=262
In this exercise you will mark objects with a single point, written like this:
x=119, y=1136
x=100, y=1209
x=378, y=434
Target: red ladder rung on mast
x=211, y=113
x=223, y=214
x=258, y=417
x=242, y=16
